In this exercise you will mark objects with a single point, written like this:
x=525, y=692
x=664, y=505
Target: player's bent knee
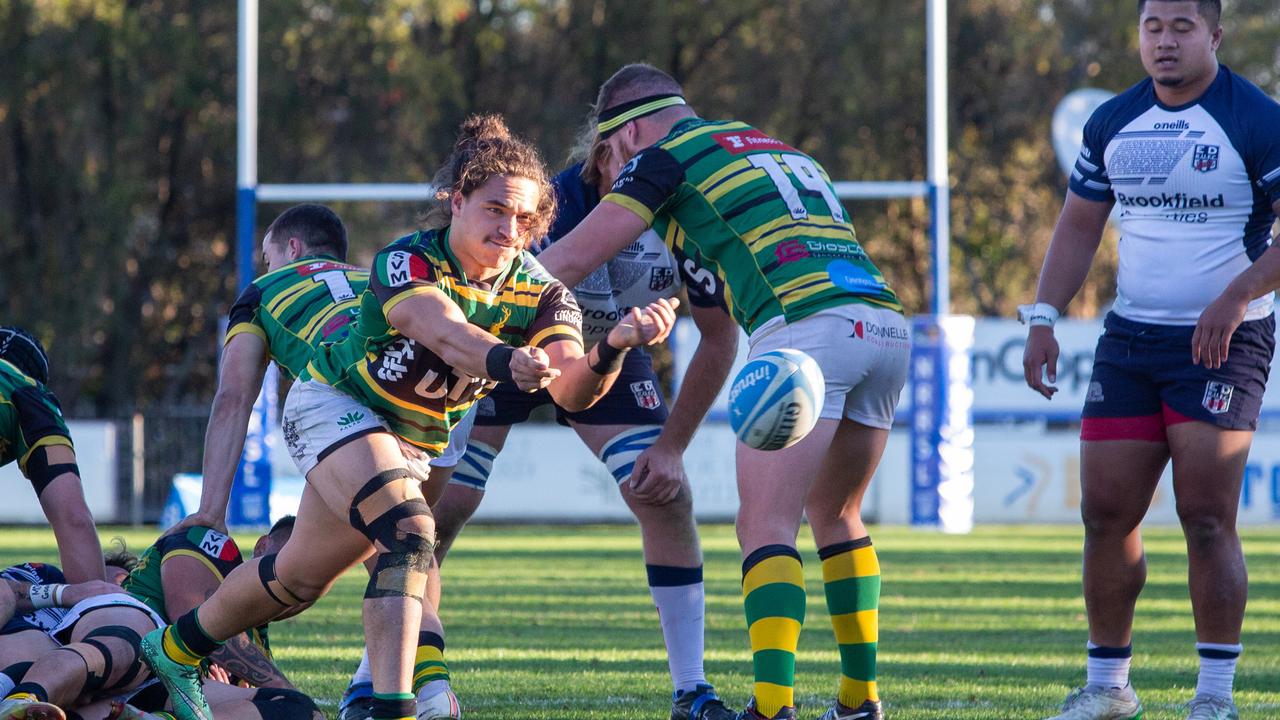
x=404, y=535
x=290, y=595
x=281, y=704
x=132, y=668
x=1202, y=530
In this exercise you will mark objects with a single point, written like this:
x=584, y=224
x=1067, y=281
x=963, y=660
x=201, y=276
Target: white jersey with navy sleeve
x=1194, y=185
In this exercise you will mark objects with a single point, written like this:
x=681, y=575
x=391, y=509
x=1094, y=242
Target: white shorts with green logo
x=319, y=419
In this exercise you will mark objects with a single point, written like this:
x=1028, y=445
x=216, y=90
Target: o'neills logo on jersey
x=749, y=141
x=1179, y=201
x=1176, y=125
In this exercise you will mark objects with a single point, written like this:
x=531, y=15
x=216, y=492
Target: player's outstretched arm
x=587, y=377
x=1212, y=338
x=659, y=472
x=244, y=363
x=434, y=320
x=605, y=231
x=64, y=505
x=1075, y=241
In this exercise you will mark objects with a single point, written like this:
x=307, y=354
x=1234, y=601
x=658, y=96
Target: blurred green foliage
x=117, y=135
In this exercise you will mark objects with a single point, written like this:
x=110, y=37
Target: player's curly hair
x=119, y=556
x=25, y=352
x=485, y=148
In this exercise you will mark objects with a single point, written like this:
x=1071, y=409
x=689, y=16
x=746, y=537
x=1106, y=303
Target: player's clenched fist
x=531, y=368
x=649, y=325
x=1040, y=360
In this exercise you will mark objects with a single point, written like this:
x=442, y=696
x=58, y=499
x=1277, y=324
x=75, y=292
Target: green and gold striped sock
x=773, y=595
x=186, y=642
x=851, y=578
x=428, y=662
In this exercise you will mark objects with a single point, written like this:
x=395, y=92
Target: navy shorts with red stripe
x=1144, y=380
x=635, y=399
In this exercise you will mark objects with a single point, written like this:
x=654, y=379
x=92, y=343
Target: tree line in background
x=117, y=136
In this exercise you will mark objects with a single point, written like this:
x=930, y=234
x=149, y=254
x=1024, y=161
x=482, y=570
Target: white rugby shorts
x=864, y=353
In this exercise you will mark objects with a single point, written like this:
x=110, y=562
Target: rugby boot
x=28, y=709
x=750, y=713
x=869, y=710
x=700, y=703
x=357, y=702
x=182, y=681
x=1098, y=703
x=1209, y=707
x=441, y=705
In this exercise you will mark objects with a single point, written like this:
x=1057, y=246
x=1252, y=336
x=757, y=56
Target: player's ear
x=1216, y=38
x=455, y=202
x=296, y=248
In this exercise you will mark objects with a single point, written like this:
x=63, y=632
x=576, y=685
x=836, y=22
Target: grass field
x=556, y=623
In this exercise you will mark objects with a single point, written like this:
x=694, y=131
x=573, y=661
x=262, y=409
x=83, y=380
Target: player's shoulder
x=529, y=269
x=1113, y=115
x=11, y=378
x=1243, y=99
x=33, y=572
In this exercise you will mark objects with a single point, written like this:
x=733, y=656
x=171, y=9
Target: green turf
x=556, y=622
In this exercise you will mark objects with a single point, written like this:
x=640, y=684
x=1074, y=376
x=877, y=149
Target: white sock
x=364, y=673
x=1108, y=667
x=1217, y=669
x=432, y=689
x=681, y=609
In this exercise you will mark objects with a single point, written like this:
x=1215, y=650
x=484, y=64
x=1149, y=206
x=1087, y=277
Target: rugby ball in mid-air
x=776, y=399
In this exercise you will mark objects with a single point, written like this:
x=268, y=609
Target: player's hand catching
x=531, y=368
x=649, y=325
x=1218, y=322
x=658, y=476
x=217, y=521
x=1040, y=360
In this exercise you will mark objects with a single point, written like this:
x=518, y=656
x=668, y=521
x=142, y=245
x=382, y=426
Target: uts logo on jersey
x=1217, y=397
x=748, y=141
x=646, y=394
x=1205, y=158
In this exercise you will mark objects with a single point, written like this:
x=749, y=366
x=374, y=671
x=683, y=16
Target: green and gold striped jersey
x=762, y=216
x=419, y=395
x=30, y=417
x=297, y=307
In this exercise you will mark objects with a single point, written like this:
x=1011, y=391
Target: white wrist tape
x=1037, y=314
x=46, y=596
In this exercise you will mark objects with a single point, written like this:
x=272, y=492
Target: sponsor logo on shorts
x=291, y=434
x=881, y=335
x=1205, y=158
x=1094, y=393
x=1217, y=397
x=350, y=419
x=646, y=393
x=217, y=545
